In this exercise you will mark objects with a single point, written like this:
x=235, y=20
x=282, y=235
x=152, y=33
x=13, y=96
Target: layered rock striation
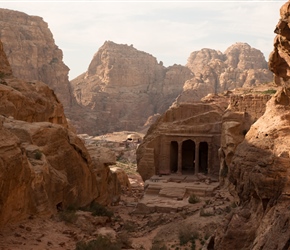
x=43, y=165
x=123, y=87
x=184, y=140
x=32, y=53
x=259, y=172
x=214, y=72
x=259, y=169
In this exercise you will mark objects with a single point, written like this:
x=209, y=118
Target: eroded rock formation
x=259, y=172
x=259, y=168
x=43, y=165
x=123, y=87
x=242, y=112
x=32, y=53
x=214, y=72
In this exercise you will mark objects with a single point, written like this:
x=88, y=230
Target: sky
x=168, y=30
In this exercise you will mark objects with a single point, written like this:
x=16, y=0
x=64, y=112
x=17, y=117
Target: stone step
x=173, y=192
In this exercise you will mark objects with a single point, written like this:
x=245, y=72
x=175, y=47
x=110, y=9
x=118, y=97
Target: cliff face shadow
x=259, y=172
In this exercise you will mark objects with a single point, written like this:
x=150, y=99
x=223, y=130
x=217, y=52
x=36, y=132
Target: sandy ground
x=142, y=230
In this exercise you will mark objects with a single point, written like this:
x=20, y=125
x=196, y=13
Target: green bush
x=204, y=213
x=269, y=91
x=37, y=155
x=187, y=234
x=98, y=210
x=101, y=242
x=193, y=199
x=158, y=246
x=68, y=215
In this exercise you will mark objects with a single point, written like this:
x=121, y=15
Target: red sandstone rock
x=259, y=169
x=43, y=165
x=171, y=144
x=122, y=88
x=32, y=53
x=214, y=72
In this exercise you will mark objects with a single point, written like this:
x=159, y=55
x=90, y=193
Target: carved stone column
x=179, y=166
x=209, y=157
x=196, y=169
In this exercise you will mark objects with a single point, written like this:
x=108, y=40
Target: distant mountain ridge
x=123, y=86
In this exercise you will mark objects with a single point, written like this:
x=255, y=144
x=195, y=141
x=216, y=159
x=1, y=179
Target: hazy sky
x=169, y=30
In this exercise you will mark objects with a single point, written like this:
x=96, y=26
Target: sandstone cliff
x=43, y=165
x=123, y=87
x=214, y=72
x=258, y=171
x=32, y=53
x=259, y=168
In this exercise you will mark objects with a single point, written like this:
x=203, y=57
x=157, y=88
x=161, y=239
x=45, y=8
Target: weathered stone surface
x=259, y=170
x=46, y=166
x=122, y=88
x=32, y=53
x=279, y=59
x=43, y=165
x=198, y=122
x=214, y=72
x=108, y=185
x=243, y=111
x=5, y=65
x=30, y=101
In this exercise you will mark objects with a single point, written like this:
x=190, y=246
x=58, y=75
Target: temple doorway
x=188, y=157
x=203, y=157
x=173, y=156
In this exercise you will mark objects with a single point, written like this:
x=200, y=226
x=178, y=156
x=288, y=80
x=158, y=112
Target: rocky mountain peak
x=123, y=87
x=113, y=63
x=198, y=59
x=244, y=57
x=214, y=72
x=32, y=53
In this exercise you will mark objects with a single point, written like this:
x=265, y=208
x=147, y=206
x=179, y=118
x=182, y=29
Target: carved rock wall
x=259, y=172
x=200, y=121
x=242, y=112
x=259, y=169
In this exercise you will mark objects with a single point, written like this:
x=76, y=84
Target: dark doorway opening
x=188, y=157
x=203, y=157
x=173, y=156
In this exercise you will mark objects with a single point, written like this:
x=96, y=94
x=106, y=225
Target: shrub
x=187, y=234
x=37, y=155
x=269, y=91
x=101, y=242
x=204, y=213
x=124, y=240
x=193, y=199
x=158, y=246
x=130, y=226
x=98, y=210
x=68, y=215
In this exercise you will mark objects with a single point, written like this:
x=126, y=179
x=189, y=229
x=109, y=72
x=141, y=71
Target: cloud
x=170, y=31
